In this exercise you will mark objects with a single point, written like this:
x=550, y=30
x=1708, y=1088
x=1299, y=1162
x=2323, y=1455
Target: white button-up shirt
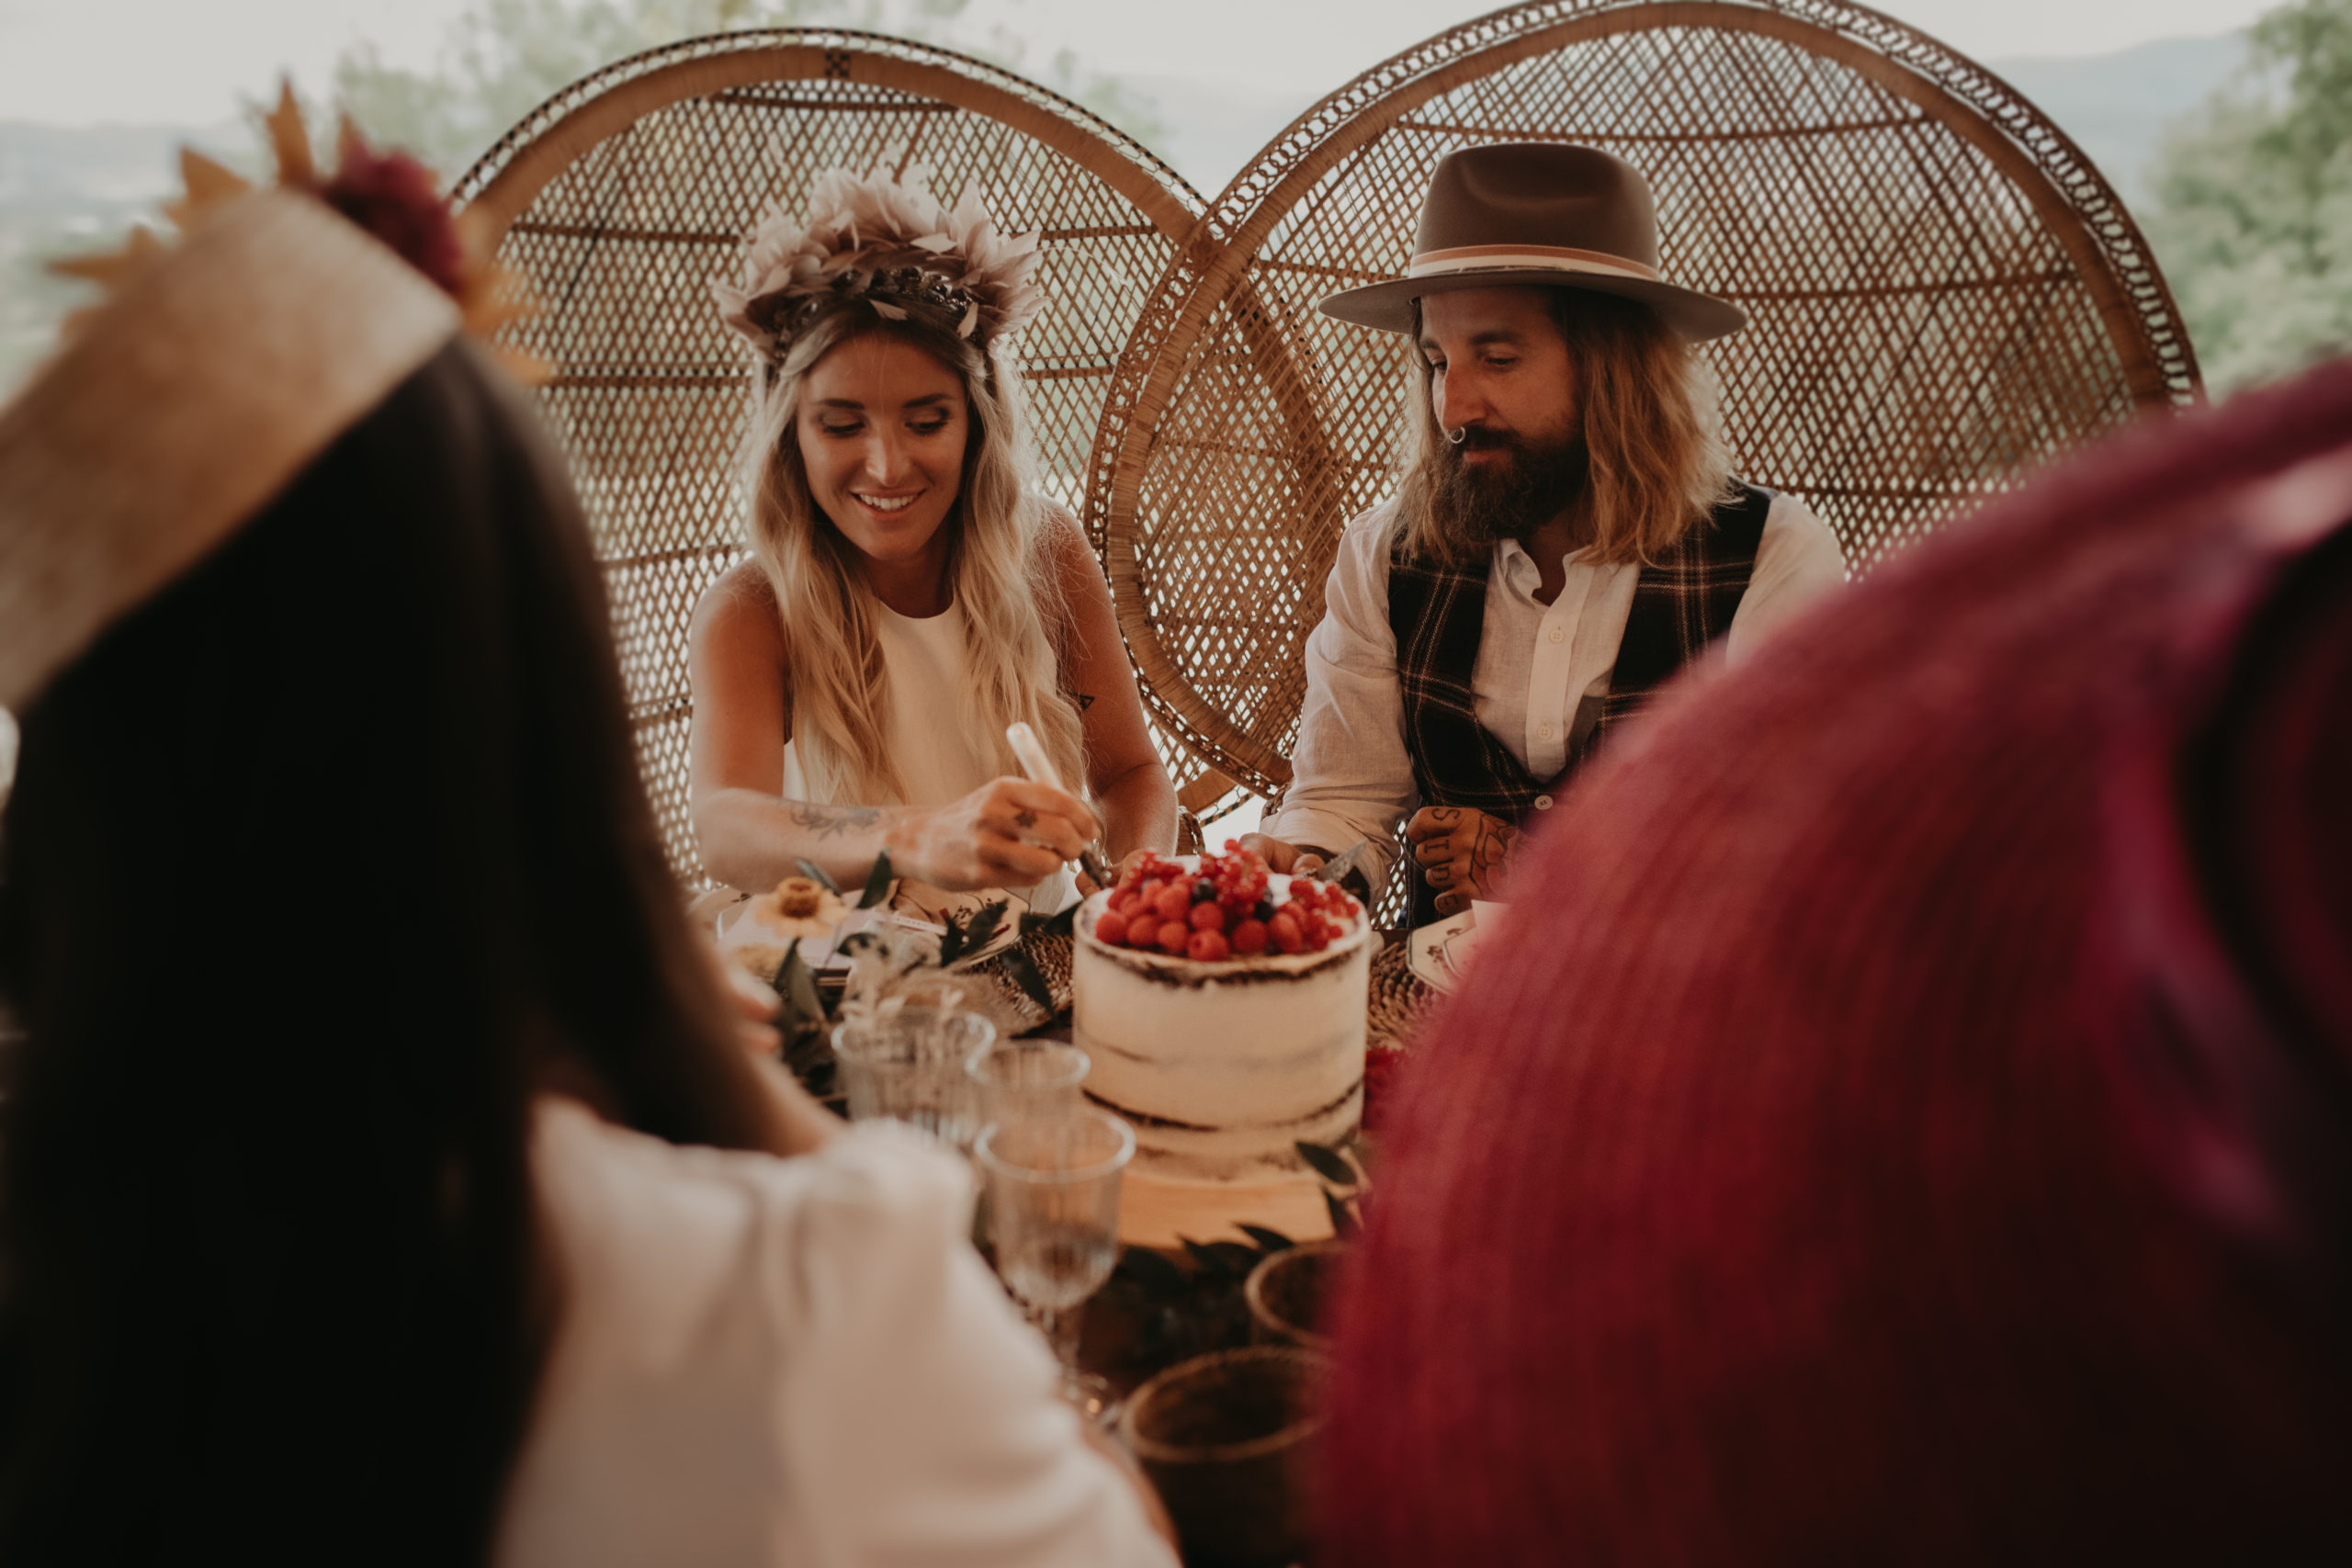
x=1542, y=671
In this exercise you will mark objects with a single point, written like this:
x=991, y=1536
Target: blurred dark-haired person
x=1946, y=1157
x=385, y=1180
x=1568, y=535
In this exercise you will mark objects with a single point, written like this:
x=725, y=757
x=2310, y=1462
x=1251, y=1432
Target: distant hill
x=65, y=189
x=69, y=189
x=2117, y=106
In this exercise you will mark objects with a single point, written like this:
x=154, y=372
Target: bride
x=910, y=595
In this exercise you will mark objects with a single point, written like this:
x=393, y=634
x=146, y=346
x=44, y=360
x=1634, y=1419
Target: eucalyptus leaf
x=1328, y=1163
x=983, y=924
x=816, y=873
x=804, y=1010
x=1063, y=924
x=1155, y=1274
x=1343, y=1222
x=877, y=882
x=1030, y=978
x=1228, y=1257
x=1267, y=1240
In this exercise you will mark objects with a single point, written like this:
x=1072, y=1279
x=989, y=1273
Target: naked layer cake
x=1223, y=1009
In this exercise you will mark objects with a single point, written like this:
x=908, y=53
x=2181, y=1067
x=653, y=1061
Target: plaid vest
x=1437, y=612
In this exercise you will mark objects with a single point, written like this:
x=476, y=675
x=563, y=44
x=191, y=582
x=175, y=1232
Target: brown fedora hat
x=1537, y=214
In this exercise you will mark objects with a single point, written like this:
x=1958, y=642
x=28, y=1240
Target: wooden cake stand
x=1158, y=1214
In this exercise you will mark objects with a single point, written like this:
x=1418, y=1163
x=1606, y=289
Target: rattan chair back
x=622, y=197
x=1944, y=293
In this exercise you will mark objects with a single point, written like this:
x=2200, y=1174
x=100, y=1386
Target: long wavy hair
x=998, y=570
x=1656, y=462
x=316, y=864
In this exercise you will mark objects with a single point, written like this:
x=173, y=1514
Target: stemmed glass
x=906, y=1063
x=1017, y=1079
x=1053, y=1198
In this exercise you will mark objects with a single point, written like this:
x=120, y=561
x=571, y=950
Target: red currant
x=1209, y=947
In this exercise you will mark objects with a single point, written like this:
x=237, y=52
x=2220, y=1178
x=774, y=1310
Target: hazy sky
x=83, y=62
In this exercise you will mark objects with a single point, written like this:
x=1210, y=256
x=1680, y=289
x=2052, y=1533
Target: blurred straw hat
x=185, y=404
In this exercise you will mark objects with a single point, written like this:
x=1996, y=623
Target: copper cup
x=1228, y=1439
x=1286, y=1293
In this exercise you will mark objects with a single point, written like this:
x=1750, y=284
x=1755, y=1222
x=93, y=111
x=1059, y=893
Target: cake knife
x=1040, y=769
x=1340, y=864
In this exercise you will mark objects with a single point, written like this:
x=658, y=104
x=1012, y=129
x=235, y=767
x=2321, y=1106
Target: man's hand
x=1283, y=859
x=1460, y=852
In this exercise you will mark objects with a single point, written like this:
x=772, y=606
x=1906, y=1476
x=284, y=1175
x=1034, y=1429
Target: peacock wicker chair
x=1943, y=292
x=621, y=197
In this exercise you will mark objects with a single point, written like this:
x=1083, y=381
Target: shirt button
x=1559, y=634
x=1545, y=732
x=1543, y=803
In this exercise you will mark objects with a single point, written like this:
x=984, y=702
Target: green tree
x=503, y=58
x=2252, y=220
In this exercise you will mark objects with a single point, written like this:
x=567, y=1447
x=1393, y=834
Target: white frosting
x=1224, y=1067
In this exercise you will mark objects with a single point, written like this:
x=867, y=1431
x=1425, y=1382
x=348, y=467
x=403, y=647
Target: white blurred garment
x=771, y=1362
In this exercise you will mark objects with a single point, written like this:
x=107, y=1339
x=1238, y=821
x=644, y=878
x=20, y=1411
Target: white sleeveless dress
x=929, y=734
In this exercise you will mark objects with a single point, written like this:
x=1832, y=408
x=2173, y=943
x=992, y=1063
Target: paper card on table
x=1427, y=950
x=1462, y=943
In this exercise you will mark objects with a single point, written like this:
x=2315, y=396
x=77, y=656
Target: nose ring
x=1458, y=436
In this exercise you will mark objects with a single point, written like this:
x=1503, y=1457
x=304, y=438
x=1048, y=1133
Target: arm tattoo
x=831, y=821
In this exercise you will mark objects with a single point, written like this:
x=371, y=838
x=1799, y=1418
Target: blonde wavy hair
x=1656, y=461
x=998, y=571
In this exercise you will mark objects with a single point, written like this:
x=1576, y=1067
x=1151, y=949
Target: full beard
x=1482, y=504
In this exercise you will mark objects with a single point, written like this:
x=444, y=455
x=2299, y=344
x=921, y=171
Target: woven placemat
x=1399, y=997
x=1013, y=1010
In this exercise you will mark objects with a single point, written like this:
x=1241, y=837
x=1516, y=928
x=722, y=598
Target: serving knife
x=1346, y=861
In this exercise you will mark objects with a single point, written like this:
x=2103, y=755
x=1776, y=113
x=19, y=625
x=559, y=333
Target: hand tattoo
x=1460, y=852
x=831, y=821
x=1489, y=851
x=1025, y=819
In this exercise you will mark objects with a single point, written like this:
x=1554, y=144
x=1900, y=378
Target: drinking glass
x=1020, y=1079
x=906, y=1063
x=1053, y=1198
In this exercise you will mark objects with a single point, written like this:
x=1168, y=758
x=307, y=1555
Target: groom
x=1566, y=537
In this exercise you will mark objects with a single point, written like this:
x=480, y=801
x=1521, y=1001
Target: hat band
x=1553, y=258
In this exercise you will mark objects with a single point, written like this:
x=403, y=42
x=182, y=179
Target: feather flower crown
x=889, y=244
